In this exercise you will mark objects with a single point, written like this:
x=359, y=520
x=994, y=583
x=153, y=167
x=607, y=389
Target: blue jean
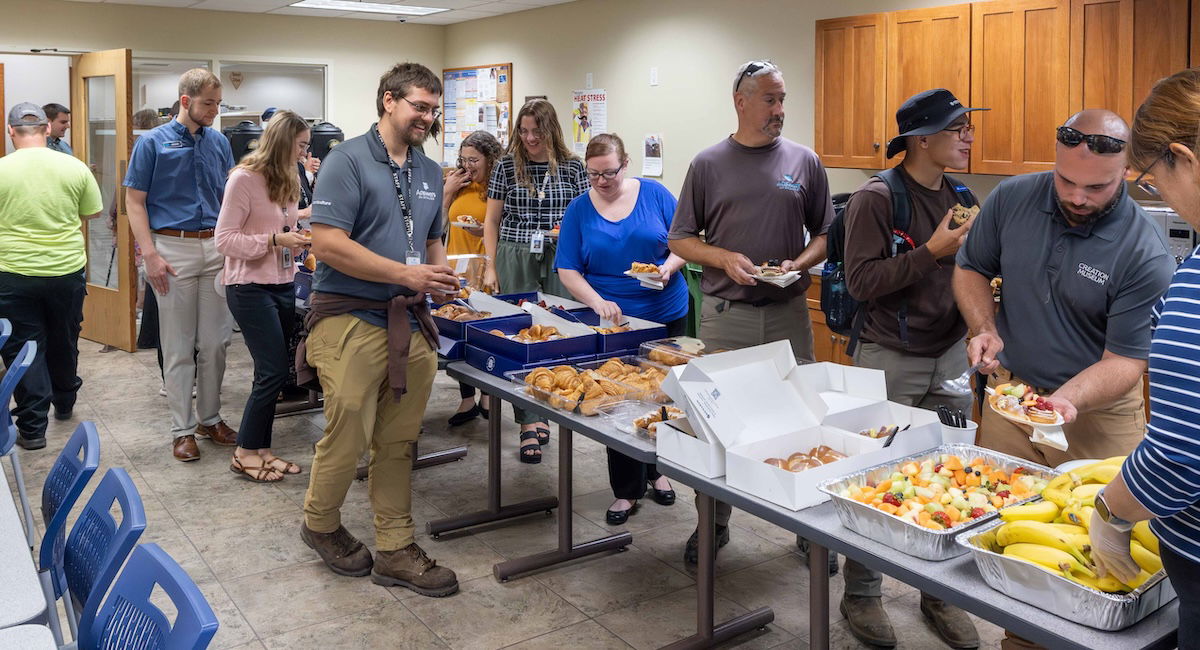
x=1185, y=578
x=266, y=313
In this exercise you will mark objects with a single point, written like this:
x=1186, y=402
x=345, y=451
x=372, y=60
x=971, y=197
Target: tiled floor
x=239, y=541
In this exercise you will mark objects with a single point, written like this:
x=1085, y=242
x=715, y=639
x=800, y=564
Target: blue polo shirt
x=183, y=176
x=60, y=145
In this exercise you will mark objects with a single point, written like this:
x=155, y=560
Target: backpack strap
x=965, y=196
x=901, y=221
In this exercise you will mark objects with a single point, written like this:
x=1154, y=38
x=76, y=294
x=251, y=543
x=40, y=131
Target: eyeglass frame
x=752, y=69
x=1145, y=185
x=968, y=127
x=607, y=174
x=1091, y=139
x=422, y=110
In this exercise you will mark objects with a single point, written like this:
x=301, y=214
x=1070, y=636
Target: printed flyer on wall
x=589, y=115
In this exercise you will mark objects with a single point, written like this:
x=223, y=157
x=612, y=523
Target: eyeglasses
x=469, y=161
x=963, y=130
x=1101, y=144
x=1145, y=184
x=751, y=70
x=423, y=109
x=608, y=175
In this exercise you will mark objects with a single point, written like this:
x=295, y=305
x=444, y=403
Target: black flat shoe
x=464, y=417
x=618, y=517
x=662, y=497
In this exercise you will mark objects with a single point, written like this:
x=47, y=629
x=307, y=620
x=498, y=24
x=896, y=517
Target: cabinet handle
x=876, y=145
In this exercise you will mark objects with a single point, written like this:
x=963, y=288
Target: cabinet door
x=822, y=338
x=849, y=91
x=927, y=48
x=1119, y=48
x=1195, y=33
x=1019, y=60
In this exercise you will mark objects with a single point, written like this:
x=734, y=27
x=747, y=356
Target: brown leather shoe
x=410, y=567
x=219, y=433
x=950, y=622
x=868, y=620
x=185, y=449
x=341, y=551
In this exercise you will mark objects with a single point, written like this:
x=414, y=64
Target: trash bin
x=325, y=136
x=692, y=272
x=243, y=138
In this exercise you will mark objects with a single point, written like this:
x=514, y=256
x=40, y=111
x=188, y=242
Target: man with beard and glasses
x=753, y=198
x=377, y=233
x=1083, y=265
x=175, y=185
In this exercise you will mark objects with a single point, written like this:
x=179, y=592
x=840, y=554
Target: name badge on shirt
x=174, y=144
x=537, y=242
x=413, y=259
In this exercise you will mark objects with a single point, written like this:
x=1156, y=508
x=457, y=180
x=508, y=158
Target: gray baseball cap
x=27, y=114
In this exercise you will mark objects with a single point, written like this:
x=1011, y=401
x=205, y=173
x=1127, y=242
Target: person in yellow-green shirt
x=465, y=199
x=43, y=196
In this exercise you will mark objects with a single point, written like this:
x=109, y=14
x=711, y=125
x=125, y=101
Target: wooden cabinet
x=1019, y=60
x=926, y=48
x=1195, y=47
x=1120, y=48
x=849, y=91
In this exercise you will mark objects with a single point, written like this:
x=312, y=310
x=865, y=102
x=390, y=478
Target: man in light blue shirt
x=60, y=121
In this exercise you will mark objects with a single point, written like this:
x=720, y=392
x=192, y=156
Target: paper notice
x=652, y=164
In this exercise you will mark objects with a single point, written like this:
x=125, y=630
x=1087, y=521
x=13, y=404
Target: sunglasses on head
x=1102, y=144
x=750, y=71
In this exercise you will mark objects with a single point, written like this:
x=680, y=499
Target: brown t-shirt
x=758, y=201
x=884, y=282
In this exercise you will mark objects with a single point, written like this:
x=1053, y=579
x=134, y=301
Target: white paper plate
x=1075, y=464
x=1021, y=420
x=779, y=280
x=463, y=224
x=643, y=276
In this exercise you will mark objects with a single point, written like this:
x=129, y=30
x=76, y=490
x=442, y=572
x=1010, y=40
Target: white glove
x=1110, y=550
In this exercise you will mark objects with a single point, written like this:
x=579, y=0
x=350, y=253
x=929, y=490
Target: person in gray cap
x=43, y=197
x=910, y=327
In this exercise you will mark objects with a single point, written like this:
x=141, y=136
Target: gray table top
x=27, y=637
x=21, y=598
x=956, y=581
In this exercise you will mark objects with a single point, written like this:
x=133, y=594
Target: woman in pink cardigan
x=257, y=234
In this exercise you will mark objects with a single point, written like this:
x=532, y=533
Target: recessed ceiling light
x=367, y=7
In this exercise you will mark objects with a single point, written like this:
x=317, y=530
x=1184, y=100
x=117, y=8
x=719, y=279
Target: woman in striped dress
x=1160, y=481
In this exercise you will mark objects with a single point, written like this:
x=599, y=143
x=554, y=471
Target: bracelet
x=272, y=239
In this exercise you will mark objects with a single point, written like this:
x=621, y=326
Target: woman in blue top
x=1160, y=481
x=620, y=221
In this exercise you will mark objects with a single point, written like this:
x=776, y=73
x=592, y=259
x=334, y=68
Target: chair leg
x=72, y=620
x=51, y=607
x=27, y=511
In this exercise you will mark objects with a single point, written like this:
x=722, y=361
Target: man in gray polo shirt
x=1082, y=266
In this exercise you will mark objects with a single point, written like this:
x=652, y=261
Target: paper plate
x=1075, y=464
x=1021, y=420
x=643, y=276
x=779, y=280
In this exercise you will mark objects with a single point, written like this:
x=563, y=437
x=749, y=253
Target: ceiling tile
x=160, y=3
x=252, y=6
x=319, y=13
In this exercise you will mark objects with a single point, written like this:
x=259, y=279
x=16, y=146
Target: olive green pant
x=518, y=271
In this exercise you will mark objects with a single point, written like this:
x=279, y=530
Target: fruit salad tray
x=917, y=504
x=1029, y=582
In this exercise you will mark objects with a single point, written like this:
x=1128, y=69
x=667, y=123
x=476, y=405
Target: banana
x=1050, y=558
x=1086, y=493
x=1036, y=532
x=1137, y=582
x=1082, y=541
x=1043, y=511
x=1149, y=562
x=1057, y=496
x=1141, y=532
x=1077, y=513
x=1100, y=473
x=1070, y=529
x=1106, y=584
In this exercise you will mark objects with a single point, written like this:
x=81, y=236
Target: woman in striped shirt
x=1160, y=481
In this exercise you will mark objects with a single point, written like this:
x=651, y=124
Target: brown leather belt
x=186, y=234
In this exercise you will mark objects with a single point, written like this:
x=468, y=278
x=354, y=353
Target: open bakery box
x=491, y=348
x=619, y=343
x=452, y=334
x=748, y=405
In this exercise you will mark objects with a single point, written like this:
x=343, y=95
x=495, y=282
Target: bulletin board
x=475, y=98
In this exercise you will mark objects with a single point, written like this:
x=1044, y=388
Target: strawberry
x=977, y=512
x=1003, y=494
x=941, y=518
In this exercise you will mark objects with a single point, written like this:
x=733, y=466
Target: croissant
x=541, y=379
x=612, y=366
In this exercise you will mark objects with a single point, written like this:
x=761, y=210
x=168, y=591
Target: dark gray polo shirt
x=356, y=193
x=1069, y=293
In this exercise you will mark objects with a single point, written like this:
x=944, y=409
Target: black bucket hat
x=926, y=113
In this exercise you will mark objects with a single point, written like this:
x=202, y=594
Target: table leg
x=440, y=457
x=314, y=402
x=707, y=635
x=566, y=550
x=818, y=597
x=494, y=511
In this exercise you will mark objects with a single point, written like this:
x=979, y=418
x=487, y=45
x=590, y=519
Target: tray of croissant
x=645, y=377
x=569, y=388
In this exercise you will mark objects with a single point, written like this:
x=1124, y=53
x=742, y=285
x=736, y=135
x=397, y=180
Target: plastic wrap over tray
x=1058, y=595
x=901, y=534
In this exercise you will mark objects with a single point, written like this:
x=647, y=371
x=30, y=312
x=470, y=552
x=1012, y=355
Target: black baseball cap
x=926, y=113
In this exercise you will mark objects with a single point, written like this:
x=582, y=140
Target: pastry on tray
x=651, y=420
x=460, y=313
x=537, y=334
x=616, y=329
x=800, y=461
x=643, y=267
x=566, y=388
x=646, y=379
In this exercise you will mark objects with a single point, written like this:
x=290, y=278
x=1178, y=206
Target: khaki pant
x=350, y=356
x=726, y=325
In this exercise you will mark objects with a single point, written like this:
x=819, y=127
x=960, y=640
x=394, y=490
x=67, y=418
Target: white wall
x=158, y=90
x=301, y=91
x=34, y=78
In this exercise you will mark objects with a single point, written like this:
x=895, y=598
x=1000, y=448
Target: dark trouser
x=48, y=310
x=466, y=390
x=266, y=314
x=1185, y=578
x=148, y=334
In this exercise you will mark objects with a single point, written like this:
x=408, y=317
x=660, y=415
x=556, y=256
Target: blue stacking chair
x=64, y=483
x=8, y=430
x=128, y=620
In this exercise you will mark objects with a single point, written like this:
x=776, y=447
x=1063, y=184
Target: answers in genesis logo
x=788, y=182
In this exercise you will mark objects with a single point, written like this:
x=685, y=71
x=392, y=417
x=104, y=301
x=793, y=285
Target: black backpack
x=842, y=312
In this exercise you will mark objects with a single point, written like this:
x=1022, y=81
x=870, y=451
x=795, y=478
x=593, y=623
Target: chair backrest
x=65, y=482
x=5, y=331
x=97, y=545
x=8, y=384
x=130, y=621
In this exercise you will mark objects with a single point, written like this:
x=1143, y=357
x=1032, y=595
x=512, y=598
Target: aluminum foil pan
x=1056, y=594
x=903, y=535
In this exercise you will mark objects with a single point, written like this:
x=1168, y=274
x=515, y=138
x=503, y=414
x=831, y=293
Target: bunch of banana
x=1062, y=488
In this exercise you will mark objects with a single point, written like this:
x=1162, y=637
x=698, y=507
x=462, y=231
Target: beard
x=414, y=138
x=198, y=116
x=1094, y=215
x=773, y=127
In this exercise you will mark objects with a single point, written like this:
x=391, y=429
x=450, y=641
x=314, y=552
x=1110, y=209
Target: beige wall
x=697, y=46
x=356, y=51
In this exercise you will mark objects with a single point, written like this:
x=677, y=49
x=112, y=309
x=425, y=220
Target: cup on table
x=959, y=435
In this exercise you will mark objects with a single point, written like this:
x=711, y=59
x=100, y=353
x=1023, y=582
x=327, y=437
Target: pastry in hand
x=770, y=269
x=468, y=219
x=960, y=214
x=643, y=267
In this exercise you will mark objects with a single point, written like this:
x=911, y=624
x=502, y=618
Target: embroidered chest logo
x=1093, y=274
x=426, y=195
x=789, y=182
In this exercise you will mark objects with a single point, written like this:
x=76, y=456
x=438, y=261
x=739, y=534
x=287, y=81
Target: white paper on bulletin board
x=476, y=98
x=589, y=115
x=652, y=162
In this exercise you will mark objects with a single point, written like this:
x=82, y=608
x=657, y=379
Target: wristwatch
x=1108, y=517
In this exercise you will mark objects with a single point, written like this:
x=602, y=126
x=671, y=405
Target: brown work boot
x=219, y=433
x=341, y=551
x=950, y=622
x=184, y=448
x=868, y=620
x=410, y=567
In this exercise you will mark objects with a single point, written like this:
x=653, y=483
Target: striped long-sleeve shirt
x=1163, y=473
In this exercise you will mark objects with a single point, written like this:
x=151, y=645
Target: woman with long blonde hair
x=257, y=233
x=530, y=189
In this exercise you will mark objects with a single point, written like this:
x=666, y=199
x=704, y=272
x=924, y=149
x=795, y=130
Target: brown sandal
x=287, y=467
x=255, y=474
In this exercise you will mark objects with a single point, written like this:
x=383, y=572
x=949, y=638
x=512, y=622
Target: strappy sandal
x=287, y=467
x=543, y=436
x=531, y=454
x=257, y=474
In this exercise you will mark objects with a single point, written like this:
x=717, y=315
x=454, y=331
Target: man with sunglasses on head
x=756, y=197
x=1082, y=265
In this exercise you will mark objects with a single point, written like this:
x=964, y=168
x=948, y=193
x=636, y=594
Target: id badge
x=413, y=259
x=537, y=243
x=285, y=258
